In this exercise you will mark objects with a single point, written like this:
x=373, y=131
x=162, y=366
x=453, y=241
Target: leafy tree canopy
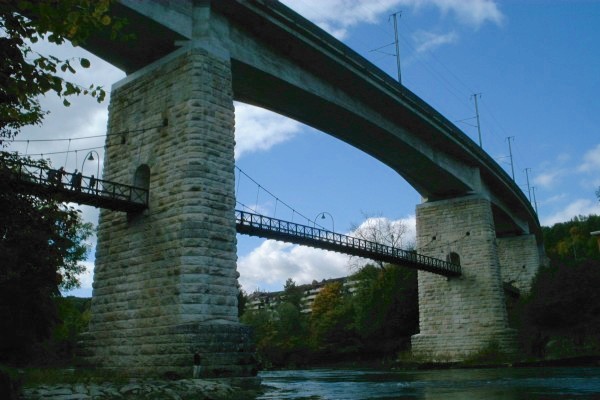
x=42, y=243
x=564, y=303
x=26, y=74
x=570, y=241
x=386, y=303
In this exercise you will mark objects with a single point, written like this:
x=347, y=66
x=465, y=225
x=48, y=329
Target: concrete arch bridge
x=165, y=283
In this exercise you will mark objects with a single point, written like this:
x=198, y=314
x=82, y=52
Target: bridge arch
x=141, y=177
x=453, y=258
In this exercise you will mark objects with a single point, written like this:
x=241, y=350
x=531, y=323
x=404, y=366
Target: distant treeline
x=376, y=321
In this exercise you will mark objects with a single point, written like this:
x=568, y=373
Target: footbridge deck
x=69, y=187
x=273, y=228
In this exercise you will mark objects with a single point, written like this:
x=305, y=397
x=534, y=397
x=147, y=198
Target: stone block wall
x=460, y=316
x=519, y=258
x=165, y=280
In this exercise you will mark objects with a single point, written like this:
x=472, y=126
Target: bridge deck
x=272, y=228
x=87, y=190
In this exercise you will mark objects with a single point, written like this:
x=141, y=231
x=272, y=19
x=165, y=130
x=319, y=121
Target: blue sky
x=535, y=64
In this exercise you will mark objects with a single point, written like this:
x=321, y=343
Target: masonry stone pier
x=519, y=258
x=460, y=316
x=165, y=284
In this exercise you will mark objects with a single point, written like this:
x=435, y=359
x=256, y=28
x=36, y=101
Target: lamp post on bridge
x=322, y=215
x=90, y=157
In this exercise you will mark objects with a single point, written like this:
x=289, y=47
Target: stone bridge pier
x=165, y=284
x=459, y=317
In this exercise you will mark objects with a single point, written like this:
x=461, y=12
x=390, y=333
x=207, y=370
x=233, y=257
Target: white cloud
x=555, y=199
x=577, y=207
x=470, y=12
x=257, y=129
x=337, y=16
x=428, y=41
x=87, y=277
x=268, y=266
x=85, y=117
x=591, y=160
x=549, y=179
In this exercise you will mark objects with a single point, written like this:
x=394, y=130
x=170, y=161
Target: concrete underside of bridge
x=165, y=283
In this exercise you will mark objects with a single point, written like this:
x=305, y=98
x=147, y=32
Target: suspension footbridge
x=88, y=190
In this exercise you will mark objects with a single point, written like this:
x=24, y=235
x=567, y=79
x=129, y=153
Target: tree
x=331, y=321
x=293, y=294
x=26, y=74
x=386, y=307
x=381, y=230
x=564, y=304
x=281, y=332
x=42, y=245
x=571, y=240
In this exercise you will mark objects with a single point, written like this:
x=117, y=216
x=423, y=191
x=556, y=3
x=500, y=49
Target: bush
x=564, y=304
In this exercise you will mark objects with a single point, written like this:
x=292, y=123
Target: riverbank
x=582, y=361
x=409, y=364
x=184, y=389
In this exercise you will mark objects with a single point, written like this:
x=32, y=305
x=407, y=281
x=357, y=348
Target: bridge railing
x=256, y=223
x=81, y=187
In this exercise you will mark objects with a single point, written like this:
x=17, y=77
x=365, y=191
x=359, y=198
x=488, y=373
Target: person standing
x=59, y=177
x=92, y=186
x=74, y=180
x=197, y=368
x=78, y=178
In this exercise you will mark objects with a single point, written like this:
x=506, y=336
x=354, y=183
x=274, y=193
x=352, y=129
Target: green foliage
x=564, y=304
x=373, y=322
x=569, y=241
x=331, y=320
x=561, y=315
x=386, y=303
x=42, y=245
x=242, y=299
x=26, y=74
x=292, y=293
x=281, y=334
x=491, y=354
x=74, y=315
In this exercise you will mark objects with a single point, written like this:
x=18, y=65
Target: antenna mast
x=397, y=45
x=475, y=95
x=512, y=168
x=528, y=187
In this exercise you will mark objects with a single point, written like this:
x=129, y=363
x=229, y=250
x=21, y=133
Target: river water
x=451, y=384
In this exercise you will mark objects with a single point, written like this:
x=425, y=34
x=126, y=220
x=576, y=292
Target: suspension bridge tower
x=165, y=282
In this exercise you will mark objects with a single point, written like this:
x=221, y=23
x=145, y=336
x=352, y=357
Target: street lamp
x=90, y=157
x=322, y=215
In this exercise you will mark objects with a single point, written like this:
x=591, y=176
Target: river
x=451, y=384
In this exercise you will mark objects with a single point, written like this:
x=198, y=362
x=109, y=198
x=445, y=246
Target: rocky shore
x=197, y=389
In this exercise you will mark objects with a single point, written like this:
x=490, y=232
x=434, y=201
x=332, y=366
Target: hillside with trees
x=373, y=322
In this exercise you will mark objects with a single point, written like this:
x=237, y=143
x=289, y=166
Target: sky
x=533, y=65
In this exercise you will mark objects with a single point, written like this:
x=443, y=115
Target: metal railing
x=76, y=187
x=272, y=228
